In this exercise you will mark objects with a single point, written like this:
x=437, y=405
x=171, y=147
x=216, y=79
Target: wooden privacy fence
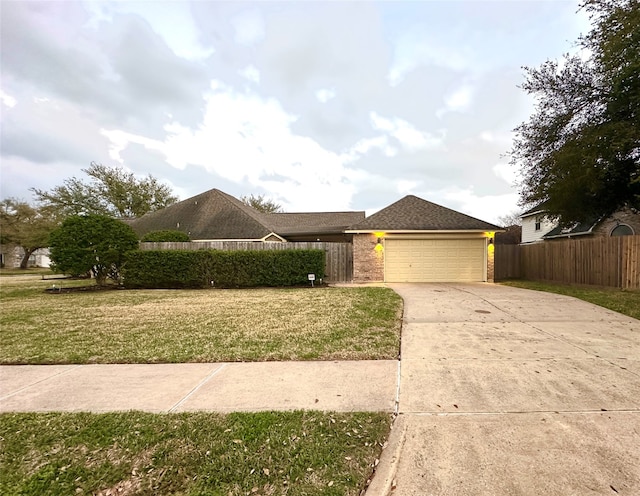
x=338, y=256
x=507, y=262
x=613, y=261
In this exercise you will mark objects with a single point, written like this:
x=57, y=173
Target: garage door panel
x=437, y=260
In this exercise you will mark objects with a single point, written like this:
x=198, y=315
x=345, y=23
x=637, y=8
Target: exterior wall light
x=379, y=246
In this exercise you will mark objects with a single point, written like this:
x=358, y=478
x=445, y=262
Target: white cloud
x=8, y=100
x=406, y=187
x=506, y=172
x=171, y=20
x=324, y=95
x=487, y=207
x=410, y=138
x=417, y=48
x=460, y=99
x=249, y=27
x=247, y=138
x=251, y=73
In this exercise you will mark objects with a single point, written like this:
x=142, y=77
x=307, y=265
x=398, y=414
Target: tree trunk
x=27, y=255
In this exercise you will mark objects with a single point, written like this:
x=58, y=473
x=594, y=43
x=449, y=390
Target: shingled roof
x=209, y=215
x=415, y=214
x=217, y=215
x=302, y=223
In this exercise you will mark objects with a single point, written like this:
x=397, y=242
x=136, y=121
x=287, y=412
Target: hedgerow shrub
x=167, y=236
x=223, y=269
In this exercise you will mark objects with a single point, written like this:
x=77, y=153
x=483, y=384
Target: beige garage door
x=434, y=260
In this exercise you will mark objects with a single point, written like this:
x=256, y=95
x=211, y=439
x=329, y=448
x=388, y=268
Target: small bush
x=227, y=269
x=166, y=236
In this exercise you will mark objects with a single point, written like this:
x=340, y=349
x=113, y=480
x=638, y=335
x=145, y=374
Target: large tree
x=580, y=150
x=261, y=204
x=91, y=243
x=26, y=226
x=110, y=191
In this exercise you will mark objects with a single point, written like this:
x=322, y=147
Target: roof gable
x=209, y=215
x=217, y=215
x=415, y=214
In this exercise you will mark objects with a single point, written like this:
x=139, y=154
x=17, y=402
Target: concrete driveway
x=508, y=391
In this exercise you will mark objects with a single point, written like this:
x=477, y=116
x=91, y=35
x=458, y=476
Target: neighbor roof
x=577, y=229
x=415, y=214
x=217, y=215
x=539, y=208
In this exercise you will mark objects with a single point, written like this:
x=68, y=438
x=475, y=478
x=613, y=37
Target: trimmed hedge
x=227, y=269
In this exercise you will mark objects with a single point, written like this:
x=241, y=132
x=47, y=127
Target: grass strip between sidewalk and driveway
x=177, y=326
x=625, y=302
x=292, y=453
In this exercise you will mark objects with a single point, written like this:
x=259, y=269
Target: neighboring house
x=535, y=224
x=217, y=216
x=412, y=240
x=537, y=227
x=11, y=257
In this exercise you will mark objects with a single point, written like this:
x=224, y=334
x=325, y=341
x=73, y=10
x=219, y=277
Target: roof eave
x=414, y=231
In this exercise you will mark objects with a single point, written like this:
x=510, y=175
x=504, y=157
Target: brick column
x=490, y=262
x=368, y=262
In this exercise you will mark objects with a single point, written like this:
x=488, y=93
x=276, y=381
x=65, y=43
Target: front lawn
x=292, y=453
x=626, y=302
x=213, y=325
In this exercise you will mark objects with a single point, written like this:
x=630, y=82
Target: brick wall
x=491, y=262
x=368, y=263
x=624, y=216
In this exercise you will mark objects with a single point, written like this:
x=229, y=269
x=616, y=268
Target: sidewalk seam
x=198, y=386
x=2, y=398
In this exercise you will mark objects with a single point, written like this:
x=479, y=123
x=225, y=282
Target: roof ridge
x=414, y=213
x=246, y=209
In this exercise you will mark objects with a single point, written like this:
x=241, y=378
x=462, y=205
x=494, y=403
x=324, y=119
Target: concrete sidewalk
x=221, y=387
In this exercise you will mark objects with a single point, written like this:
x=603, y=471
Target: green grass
x=42, y=271
x=625, y=302
x=174, y=326
x=292, y=453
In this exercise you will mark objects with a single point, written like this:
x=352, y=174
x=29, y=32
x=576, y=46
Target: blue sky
x=318, y=105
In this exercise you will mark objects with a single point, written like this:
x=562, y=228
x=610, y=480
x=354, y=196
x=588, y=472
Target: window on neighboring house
x=622, y=230
x=538, y=222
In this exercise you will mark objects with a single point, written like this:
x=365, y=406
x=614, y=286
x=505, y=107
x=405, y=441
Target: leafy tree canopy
x=262, y=204
x=166, y=235
x=580, y=150
x=26, y=226
x=110, y=191
x=91, y=243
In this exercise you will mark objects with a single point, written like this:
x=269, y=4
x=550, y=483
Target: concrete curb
x=383, y=482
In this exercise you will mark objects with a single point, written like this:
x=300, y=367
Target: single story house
x=11, y=257
x=537, y=227
x=217, y=216
x=412, y=240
